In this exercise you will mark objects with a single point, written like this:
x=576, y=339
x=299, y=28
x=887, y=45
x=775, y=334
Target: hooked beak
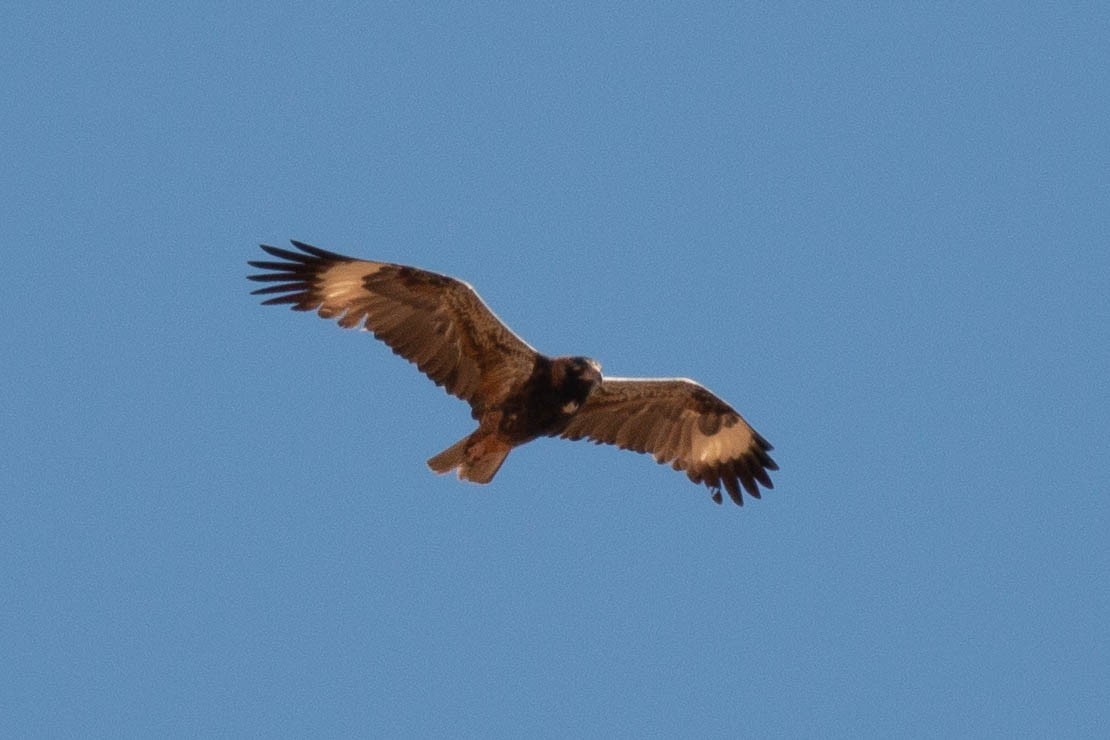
x=596, y=367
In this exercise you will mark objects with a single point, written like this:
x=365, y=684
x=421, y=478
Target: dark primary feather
x=435, y=321
x=679, y=422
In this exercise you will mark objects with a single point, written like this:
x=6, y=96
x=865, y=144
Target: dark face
x=586, y=370
x=575, y=381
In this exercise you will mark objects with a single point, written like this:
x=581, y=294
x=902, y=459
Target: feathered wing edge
x=681, y=423
x=296, y=276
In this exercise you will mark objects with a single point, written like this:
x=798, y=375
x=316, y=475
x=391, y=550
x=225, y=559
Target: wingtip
x=284, y=254
x=317, y=252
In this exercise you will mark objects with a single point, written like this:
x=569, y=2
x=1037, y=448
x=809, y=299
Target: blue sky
x=882, y=233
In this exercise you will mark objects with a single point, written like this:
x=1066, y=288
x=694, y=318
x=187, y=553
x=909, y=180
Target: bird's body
x=516, y=393
x=540, y=406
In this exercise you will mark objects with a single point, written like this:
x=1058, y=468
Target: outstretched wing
x=679, y=422
x=437, y=322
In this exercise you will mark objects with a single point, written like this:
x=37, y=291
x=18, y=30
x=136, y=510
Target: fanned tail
x=477, y=457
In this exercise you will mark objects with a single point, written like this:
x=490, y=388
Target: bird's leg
x=486, y=439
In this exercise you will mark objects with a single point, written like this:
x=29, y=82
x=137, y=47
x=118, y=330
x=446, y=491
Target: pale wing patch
x=342, y=283
x=729, y=443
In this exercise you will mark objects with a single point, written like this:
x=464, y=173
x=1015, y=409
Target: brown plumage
x=515, y=393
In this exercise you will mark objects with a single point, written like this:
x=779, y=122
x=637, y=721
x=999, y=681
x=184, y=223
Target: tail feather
x=450, y=458
x=477, y=458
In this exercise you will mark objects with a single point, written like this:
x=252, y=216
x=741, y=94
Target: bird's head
x=584, y=369
x=575, y=378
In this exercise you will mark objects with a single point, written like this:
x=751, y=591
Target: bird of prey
x=515, y=393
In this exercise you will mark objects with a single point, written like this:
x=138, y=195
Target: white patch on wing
x=342, y=282
x=728, y=443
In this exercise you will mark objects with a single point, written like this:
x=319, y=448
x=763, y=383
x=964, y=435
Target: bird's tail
x=478, y=457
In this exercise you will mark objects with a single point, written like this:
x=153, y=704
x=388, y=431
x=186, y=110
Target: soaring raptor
x=515, y=393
